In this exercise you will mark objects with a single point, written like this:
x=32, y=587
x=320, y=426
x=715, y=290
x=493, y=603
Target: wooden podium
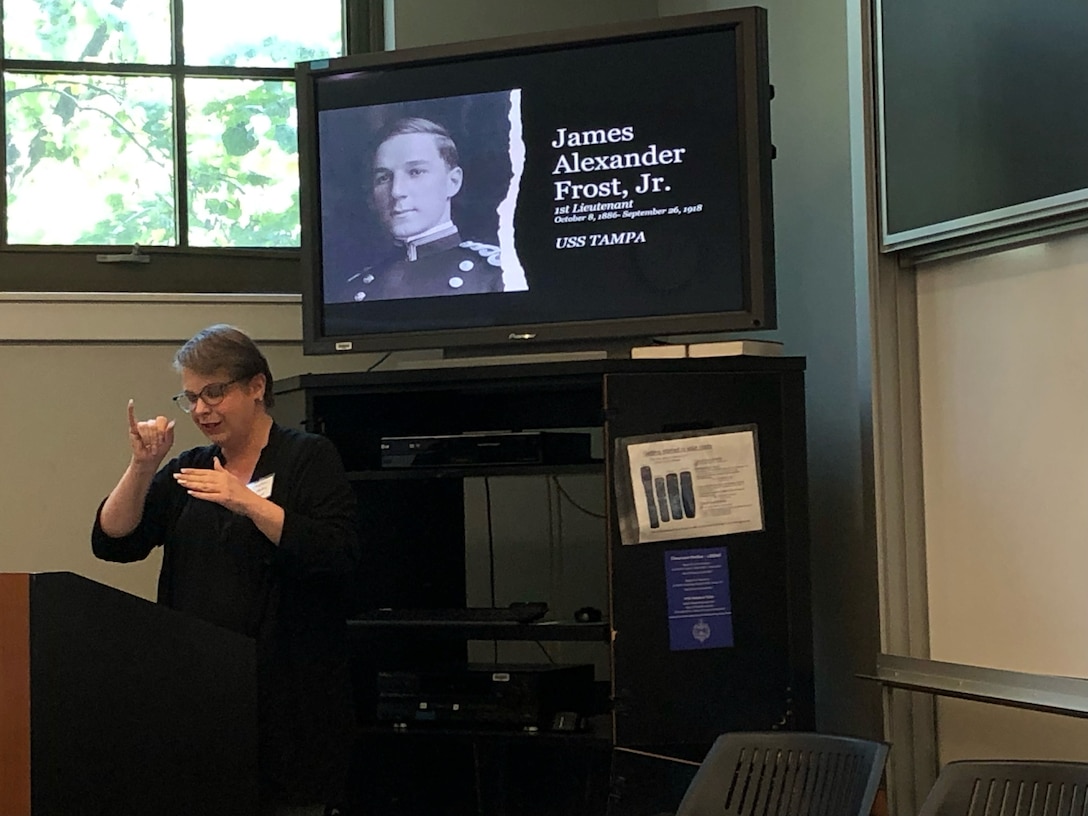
x=111, y=704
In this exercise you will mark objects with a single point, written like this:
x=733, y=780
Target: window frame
x=181, y=268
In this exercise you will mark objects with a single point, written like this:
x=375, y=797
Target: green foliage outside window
x=92, y=155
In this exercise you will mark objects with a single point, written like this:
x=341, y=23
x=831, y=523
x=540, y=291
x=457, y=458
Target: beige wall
x=1004, y=385
x=425, y=22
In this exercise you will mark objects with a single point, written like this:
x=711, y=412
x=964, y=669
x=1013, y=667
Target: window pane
x=243, y=163
x=90, y=160
x=267, y=33
x=88, y=30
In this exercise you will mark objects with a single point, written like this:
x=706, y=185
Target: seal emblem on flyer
x=701, y=631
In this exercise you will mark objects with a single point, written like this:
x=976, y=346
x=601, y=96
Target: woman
x=258, y=533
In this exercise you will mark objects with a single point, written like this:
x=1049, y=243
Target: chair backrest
x=786, y=773
x=1008, y=788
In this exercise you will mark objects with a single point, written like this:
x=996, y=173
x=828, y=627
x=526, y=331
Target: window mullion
x=181, y=158
x=144, y=69
x=3, y=140
x=364, y=26
x=87, y=68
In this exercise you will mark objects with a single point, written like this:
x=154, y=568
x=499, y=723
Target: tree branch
x=90, y=108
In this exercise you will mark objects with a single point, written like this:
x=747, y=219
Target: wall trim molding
x=140, y=318
x=145, y=297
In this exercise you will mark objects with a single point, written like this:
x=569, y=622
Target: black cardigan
x=219, y=567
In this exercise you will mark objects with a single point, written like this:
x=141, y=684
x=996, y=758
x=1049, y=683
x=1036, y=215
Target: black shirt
x=219, y=567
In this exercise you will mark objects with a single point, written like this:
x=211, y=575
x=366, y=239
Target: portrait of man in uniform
x=415, y=174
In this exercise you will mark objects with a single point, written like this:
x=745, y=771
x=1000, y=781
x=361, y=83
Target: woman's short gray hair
x=225, y=348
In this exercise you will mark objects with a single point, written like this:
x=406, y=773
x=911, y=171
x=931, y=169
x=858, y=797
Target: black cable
x=569, y=498
x=550, y=658
x=554, y=543
x=490, y=539
x=381, y=360
x=490, y=557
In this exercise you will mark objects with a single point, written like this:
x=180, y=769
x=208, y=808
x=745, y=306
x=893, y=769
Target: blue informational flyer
x=700, y=607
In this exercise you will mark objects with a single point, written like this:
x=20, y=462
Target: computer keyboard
x=515, y=613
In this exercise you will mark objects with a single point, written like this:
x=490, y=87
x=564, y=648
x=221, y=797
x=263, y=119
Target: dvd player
x=490, y=448
x=499, y=696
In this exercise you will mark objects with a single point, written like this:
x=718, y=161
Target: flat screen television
x=576, y=189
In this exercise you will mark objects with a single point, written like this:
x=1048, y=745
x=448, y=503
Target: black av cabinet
x=654, y=700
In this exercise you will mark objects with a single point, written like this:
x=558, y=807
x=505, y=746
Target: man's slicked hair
x=447, y=149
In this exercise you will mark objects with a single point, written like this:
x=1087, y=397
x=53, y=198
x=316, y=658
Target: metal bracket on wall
x=1037, y=692
x=134, y=255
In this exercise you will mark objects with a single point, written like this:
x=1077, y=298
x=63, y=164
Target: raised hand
x=150, y=439
x=216, y=485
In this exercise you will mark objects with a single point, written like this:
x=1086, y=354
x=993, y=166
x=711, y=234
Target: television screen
x=554, y=191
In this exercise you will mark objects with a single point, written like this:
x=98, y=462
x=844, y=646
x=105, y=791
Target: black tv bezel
x=756, y=153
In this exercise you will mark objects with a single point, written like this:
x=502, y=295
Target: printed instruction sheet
x=691, y=486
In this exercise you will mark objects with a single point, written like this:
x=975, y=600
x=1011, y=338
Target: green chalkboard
x=983, y=114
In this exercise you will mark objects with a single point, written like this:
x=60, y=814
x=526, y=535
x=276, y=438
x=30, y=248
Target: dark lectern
x=110, y=704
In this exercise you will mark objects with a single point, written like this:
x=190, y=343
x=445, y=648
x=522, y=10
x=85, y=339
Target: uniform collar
x=422, y=243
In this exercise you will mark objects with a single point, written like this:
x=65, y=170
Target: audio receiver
x=490, y=448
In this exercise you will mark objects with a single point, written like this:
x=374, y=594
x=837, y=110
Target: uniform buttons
x=456, y=282
x=368, y=279
x=360, y=295
x=465, y=266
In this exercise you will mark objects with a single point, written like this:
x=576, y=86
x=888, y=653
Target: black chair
x=784, y=773
x=1008, y=788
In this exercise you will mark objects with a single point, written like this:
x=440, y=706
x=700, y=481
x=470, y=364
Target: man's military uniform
x=444, y=266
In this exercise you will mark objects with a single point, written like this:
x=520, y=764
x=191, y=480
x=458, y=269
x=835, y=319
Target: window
x=164, y=123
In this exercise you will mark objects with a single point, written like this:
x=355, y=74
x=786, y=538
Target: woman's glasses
x=211, y=394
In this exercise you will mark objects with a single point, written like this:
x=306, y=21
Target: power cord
x=381, y=360
x=490, y=557
x=563, y=492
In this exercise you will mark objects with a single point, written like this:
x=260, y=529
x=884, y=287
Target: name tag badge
x=262, y=487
